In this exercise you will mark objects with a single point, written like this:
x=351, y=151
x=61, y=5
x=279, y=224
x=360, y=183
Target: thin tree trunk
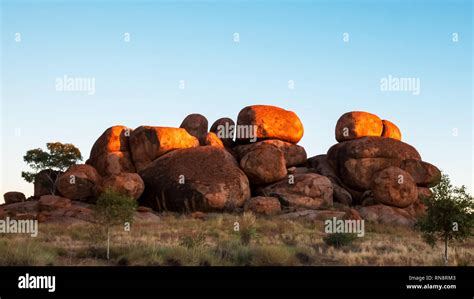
x=446, y=250
x=108, y=243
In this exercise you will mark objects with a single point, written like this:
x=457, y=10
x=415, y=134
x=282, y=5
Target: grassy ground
x=182, y=240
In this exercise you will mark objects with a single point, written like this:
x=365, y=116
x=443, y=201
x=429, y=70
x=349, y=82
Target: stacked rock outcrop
x=253, y=164
x=376, y=168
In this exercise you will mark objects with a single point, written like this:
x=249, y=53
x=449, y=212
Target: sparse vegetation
x=113, y=208
x=339, y=240
x=246, y=228
x=182, y=240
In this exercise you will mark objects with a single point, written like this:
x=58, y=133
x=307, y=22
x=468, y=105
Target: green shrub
x=339, y=240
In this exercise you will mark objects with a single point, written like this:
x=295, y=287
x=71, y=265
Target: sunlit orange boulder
x=268, y=122
x=224, y=128
x=110, y=154
x=213, y=140
x=356, y=124
x=113, y=139
x=148, y=143
x=391, y=130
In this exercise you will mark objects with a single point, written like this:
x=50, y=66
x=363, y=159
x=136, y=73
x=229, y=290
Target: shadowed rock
x=45, y=181
x=263, y=205
x=202, y=179
x=424, y=173
x=395, y=187
x=79, y=182
x=263, y=164
x=129, y=184
x=196, y=125
x=356, y=161
x=224, y=128
x=309, y=191
x=387, y=215
x=13, y=197
x=293, y=154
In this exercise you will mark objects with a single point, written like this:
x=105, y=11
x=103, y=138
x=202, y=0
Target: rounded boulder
x=79, y=182
x=394, y=187
x=196, y=125
x=268, y=122
x=357, y=124
x=201, y=179
x=264, y=164
x=130, y=184
x=263, y=205
x=390, y=130
x=148, y=143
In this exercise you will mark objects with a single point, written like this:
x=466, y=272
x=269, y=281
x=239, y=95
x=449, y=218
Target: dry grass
x=181, y=240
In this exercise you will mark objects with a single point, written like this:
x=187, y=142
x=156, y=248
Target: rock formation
x=255, y=166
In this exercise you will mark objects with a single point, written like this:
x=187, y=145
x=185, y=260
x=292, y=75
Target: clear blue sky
x=138, y=82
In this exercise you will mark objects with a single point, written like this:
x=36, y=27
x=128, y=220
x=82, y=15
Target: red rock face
x=309, y=191
x=424, y=173
x=263, y=205
x=271, y=123
x=395, y=187
x=387, y=215
x=294, y=154
x=356, y=161
x=357, y=124
x=202, y=179
x=149, y=143
x=79, y=182
x=263, y=164
x=130, y=184
x=110, y=154
x=390, y=130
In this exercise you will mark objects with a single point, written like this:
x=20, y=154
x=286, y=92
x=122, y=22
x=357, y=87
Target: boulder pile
x=254, y=164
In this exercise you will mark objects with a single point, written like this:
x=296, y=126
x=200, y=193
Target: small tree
x=113, y=208
x=58, y=158
x=450, y=215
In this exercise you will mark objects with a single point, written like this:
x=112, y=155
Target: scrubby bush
x=112, y=209
x=339, y=240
